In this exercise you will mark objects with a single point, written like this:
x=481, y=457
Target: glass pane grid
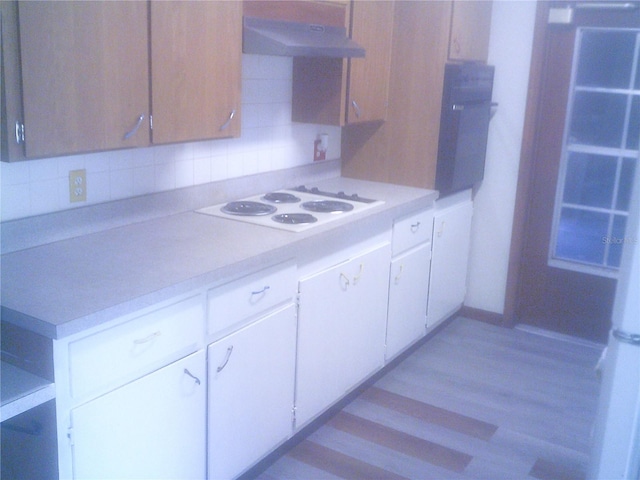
x=606, y=211
x=600, y=152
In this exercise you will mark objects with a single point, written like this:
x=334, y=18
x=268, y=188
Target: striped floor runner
x=475, y=401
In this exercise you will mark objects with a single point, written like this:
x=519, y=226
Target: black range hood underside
x=292, y=39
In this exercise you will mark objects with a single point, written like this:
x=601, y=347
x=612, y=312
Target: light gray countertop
x=68, y=285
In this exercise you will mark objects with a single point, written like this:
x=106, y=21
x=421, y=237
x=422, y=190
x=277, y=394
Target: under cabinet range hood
x=293, y=39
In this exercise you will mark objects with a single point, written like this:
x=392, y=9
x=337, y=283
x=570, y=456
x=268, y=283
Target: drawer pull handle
x=148, y=338
x=356, y=279
x=415, y=227
x=397, y=278
x=226, y=359
x=187, y=372
x=259, y=292
x=345, y=281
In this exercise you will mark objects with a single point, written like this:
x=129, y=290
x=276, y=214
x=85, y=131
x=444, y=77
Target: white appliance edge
x=616, y=447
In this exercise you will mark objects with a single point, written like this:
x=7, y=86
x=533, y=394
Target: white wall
x=510, y=48
x=269, y=141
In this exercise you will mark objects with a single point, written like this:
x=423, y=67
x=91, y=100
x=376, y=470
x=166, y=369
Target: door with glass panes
x=586, y=150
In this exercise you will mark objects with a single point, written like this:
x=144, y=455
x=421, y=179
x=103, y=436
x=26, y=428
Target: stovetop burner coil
x=248, y=208
x=294, y=218
x=280, y=197
x=340, y=195
x=327, y=206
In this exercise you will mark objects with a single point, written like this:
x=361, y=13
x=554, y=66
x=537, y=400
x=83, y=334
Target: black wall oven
x=464, y=126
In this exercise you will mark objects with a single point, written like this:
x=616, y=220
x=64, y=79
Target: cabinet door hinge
x=19, y=132
x=151, y=122
x=70, y=436
x=293, y=417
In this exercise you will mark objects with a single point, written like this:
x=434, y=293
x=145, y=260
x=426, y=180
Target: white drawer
x=234, y=304
x=412, y=230
x=133, y=348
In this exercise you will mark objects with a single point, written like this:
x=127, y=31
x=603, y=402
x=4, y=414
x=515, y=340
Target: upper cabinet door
x=324, y=93
x=85, y=76
x=470, y=26
x=196, y=64
x=369, y=77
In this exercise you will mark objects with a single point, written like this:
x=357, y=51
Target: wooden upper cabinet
x=403, y=150
x=337, y=91
x=80, y=76
x=368, y=90
x=11, y=146
x=323, y=12
x=427, y=34
x=84, y=76
x=196, y=65
x=470, y=27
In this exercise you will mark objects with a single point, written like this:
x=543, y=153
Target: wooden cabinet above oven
x=336, y=91
x=404, y=149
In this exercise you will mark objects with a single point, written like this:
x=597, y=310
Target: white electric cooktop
x=294, y=210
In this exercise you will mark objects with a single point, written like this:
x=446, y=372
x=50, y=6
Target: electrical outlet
x=78, y=185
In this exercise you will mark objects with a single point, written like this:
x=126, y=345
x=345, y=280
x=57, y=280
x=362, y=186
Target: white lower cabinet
x=251, y=384
x=341, y=329
x=151, y=428
x=135, y=401
x=408, y=291
x=409, y=281
x=450, y=256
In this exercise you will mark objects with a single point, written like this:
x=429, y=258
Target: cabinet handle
x=148, y=338
x=415, y=227
x=133, y=131
x=258, y=295
x=19, y=132
x=345, y=279
x=258, y=292
x=397, y=277
x=226, y=359
x=187, y=372
x=356, y=108
x=226, y=124
x=356, y=279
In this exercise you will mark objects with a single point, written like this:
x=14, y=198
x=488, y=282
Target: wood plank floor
x=475, y=401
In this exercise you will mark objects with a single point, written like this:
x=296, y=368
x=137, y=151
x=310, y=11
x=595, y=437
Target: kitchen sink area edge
x=69, y=285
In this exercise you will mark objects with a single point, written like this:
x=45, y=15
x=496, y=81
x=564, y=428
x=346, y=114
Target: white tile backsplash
x=269, y=141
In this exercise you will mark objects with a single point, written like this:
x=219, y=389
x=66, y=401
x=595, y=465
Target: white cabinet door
x=251, y=383
x=152, y=428
x=341, y=330
x=450, y=256
x=408, y=291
